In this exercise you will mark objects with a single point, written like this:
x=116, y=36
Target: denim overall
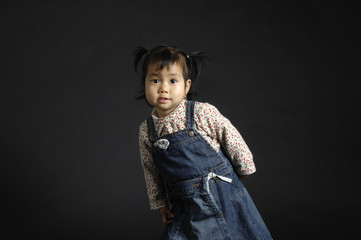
x=207, y=198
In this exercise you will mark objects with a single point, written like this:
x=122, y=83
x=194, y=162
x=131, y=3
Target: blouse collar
x=179, y=109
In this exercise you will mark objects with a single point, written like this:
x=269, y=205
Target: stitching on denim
x=205, y=197
x=210, y=147
x=178, y=226
x=169, y=135
x=186, y=140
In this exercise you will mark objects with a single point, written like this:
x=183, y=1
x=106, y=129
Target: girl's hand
x=167, y=215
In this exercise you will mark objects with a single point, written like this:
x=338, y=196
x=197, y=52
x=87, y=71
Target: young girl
x=192, y=156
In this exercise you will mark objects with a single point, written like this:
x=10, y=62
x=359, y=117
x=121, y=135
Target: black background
x=284, y=73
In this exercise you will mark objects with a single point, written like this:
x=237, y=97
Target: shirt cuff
x=157, y=205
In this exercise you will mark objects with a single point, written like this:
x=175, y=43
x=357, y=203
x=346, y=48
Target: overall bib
x=207, y=198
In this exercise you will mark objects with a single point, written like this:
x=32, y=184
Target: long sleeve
x=154, y=184
x=220, y=129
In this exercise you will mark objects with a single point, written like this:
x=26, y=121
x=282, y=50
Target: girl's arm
x=153, y=181
x=221, y=129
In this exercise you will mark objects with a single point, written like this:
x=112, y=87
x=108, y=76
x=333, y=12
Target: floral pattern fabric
x=212, y=125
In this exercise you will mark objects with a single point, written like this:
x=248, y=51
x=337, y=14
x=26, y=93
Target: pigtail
x=138, y=53
x=195, y=62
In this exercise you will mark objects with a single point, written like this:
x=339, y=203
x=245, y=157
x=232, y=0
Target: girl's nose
x=163, y=88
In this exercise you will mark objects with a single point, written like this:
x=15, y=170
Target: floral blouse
x=210, y=123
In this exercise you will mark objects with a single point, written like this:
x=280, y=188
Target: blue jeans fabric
x=203, y=209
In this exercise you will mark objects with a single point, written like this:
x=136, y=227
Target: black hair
x=164, y=55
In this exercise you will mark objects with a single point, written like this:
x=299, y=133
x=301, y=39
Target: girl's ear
x=188, y=85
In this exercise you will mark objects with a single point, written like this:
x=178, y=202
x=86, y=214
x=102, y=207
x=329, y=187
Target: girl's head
x=163, y=56
x=167, y=76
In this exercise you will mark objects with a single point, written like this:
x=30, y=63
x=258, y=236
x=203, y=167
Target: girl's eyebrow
x=156, y=74
x=173, y=74
x=153, y=74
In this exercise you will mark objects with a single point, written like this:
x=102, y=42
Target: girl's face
x=165, y=88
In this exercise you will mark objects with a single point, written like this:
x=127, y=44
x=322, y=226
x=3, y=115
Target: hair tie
x=187, y=56
x=148, y=52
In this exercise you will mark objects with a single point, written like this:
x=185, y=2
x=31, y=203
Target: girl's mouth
x=163, y=100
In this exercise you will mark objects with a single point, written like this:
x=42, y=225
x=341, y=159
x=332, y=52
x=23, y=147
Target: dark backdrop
x=284, y=73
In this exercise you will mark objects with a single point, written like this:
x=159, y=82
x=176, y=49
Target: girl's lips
x=163, y=100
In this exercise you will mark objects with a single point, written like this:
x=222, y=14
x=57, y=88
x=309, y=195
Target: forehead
x=155, y=69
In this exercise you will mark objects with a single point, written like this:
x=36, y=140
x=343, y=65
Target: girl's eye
x=155, y=81
x=173, y=81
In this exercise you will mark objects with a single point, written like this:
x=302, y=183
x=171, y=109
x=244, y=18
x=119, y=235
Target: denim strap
x=151, y=128
x=190, y=115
